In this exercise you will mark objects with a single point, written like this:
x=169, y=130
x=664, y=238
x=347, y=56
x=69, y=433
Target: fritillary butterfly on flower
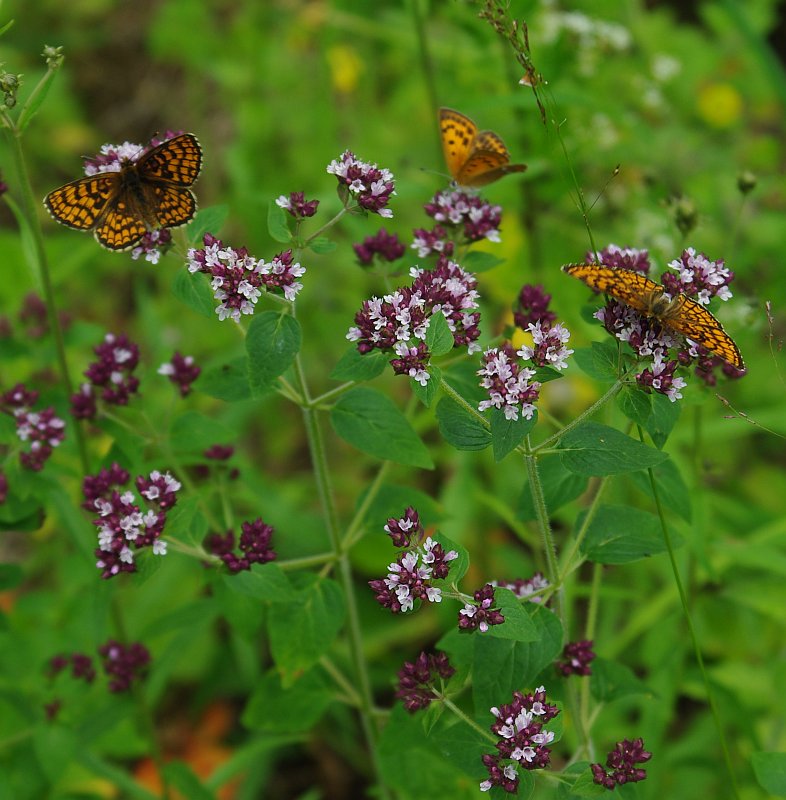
x=146, y=193
x=678, y=313
x=474, y=157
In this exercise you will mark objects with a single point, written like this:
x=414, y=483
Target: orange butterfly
x=680, y=314
x=148, y=193
x=474, y=157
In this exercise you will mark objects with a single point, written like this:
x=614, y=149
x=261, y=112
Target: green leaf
x=673, y=492
x=545, y=374
x=272, y=342
x=619, y=534
x=598, y=361
x=322, y=245
x=55, y=747
x=36, y=99
x=593, y=449
x=479, y=261
x=228, y=382
x=11, y=576
x=559, y=485
x=193, y=290
x=439, y=338
x=461, y=428
x=635, y=404
x=501, y=666
x=354, y=366
x=770, y=771
x=611, y=681
x=371, y=422
x=507, y=434
x=294, y=708
x=262, y=582
x=193, y=432
x=277, y=223
x=427, y=393
x=17, y=513
x=518, y=624
x=181, y=777
x=207, y=220
x=662, y=420
x=584, y=784
x=302, y=631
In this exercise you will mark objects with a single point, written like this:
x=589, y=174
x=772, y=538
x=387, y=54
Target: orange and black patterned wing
x=176, y=161
x=486, y=166
x=171, y=205
x=683, y=315
x=693, y=321
x=458, y=134
x=120, y=228
x=81, y=203
x=626, y=285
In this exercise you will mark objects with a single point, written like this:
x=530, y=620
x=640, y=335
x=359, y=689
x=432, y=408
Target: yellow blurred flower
x=345, y=67
x=719, y=104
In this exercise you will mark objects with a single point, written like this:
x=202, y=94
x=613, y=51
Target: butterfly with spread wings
x=474, y=157
x=680, y=313
x=146, y=194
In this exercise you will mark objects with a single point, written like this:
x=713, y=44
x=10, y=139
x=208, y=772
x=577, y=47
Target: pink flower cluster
x=43, y=430
x=371, y=187
x=112, y=373
x=121, y=522
x=238, y=278
x=410, y=577
x=398, y=321
x=523, y=740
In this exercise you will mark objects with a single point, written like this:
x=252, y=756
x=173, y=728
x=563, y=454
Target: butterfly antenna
x=615, y=172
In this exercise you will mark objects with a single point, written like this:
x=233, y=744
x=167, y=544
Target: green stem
x=454, y=395
x=691, y=630
x=544, y=526
x=324, y=491
x=327, y=225
x=589, y=634
x=618, y=384
x=30, y=211
x=330, y=394
x=484, y=732
x=352, y=532
x=568, y=565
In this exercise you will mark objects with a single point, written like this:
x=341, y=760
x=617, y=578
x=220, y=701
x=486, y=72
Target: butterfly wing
x=693, y=321
x=684, y=315
x=172, y=205
x=626, y=285
x=120, y=227
x=81, y=203
x=458, y=134
x=176, y=161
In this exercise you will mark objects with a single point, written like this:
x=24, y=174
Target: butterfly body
x=145, y=194
x=474, y=158
x=680, y=313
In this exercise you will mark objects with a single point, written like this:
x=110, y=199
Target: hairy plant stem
x=316, y=447
x=544, y=526
x=691, y=630
x=618, y=384
x=30, y=213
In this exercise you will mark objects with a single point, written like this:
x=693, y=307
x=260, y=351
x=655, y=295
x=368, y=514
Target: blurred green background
x=683, y=96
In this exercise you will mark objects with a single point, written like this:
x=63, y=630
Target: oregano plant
x=397, y=556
